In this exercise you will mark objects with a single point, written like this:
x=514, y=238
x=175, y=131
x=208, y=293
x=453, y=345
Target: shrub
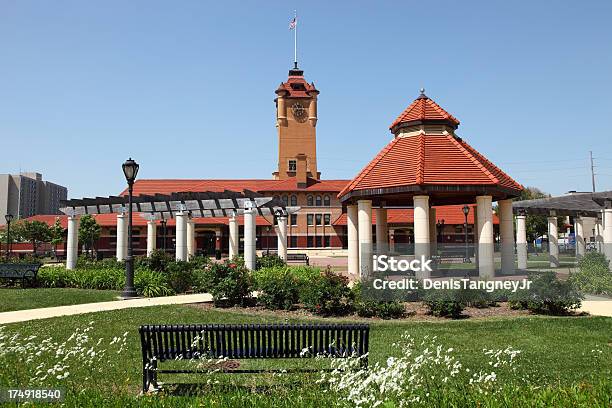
x=157, y=261
x=444, y=303
x=269, y=261
x=180, y=276
x=278, y=287
x=229, y=283
x=328, y=295
x=149, y=283
x=547, y=295
x=478, y=298
x=593, y=275
x=367, y=307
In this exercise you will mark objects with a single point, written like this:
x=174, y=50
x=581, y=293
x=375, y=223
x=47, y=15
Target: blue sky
x=186, y=88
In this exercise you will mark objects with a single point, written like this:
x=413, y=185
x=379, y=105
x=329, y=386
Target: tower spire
x=293, y=26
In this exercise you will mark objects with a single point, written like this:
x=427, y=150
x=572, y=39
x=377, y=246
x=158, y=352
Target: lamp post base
x=129, y=293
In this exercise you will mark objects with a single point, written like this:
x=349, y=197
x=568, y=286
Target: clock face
x=299, y=112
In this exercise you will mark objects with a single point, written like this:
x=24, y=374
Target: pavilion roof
x=587, y=204
x=425, y=163
x=424, y=109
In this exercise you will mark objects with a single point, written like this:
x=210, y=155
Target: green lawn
x=556, y=356
x=20, y=299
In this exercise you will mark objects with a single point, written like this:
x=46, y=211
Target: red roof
x=429, y=160
x=167, y=186
x=451, y=214
x=424, y=109
x=296, y=86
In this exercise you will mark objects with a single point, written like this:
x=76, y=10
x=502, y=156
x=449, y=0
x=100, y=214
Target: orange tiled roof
x=296, y=86
x=424, y=109
x=427, y=160
x=451, y=214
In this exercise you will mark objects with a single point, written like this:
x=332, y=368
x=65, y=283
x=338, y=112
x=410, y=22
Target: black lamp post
x=8, y=218
x=440, y=228
x=163, y=224
x=130, y=170
x=466, y=211
x=268, y=240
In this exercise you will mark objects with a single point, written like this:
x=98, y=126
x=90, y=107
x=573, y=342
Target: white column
x=382, y=231
x=599, y=233
x=181, y=236
x=151, y=237
x=506, y=232
x=553, y=241
x=191, y=244
x=281, y=234
x=122, y=236
x=250, y=256
x=72, y=242
x=580, y=242
x=391, y=241
x=484, y=209
x=607, y=233
x=234, y=237
x=352, y=230
x=476, y=238
x=433, y=232
x=521, y=241
x=364, y=210
x=421, y=230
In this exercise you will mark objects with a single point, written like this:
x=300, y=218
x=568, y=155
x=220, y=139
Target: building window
x=319, y=219
x=318, y=241
x=327, y=219
x=293, y=200
x=326, y=201
x=292, y=165
x=318, y=201
x=326, y=241
x=285, y=200
x=310, y=219
x=293, y=219
x=293, y=243
x=309, y=242
x=309, y=201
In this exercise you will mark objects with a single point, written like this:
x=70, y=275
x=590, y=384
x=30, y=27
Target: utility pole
x=592, y=170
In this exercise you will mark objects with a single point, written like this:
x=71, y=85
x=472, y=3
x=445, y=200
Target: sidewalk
x=47, y=312
x=597, y=306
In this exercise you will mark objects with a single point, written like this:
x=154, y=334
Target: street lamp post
x=130, y=170
x=466, y=210
x=440, y=229
x=8, y=218
x=163, y=224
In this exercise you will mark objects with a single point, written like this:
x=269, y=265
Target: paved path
x=47, y=312
x=597, y=306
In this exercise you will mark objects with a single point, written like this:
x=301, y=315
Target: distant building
x=27, y=194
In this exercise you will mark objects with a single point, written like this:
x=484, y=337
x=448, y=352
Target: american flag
x=293, y=23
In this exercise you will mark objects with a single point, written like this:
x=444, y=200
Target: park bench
x=24, y=272
x=247, y=341
x=298, y=258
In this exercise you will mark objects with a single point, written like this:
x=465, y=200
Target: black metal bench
x=247, y=341
x=298, y=258
x=24, y=272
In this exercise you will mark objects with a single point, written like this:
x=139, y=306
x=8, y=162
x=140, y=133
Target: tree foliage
x=89, y=232
x=537, y=225
x=34, y=232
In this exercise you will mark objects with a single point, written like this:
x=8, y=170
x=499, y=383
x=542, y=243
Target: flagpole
x=295, y=42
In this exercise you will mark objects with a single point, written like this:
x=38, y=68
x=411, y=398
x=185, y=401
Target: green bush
x=593, y=275
x=478, y=298
x=157, y=261
x=368, y=307
x=328, y=294
x=229, y=283
x=547, y=295
x=445, y=303
x=269, y=261
x=180, y=276
x=278, y=287
x=149, y=283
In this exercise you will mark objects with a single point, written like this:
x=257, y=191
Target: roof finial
x=422, y=95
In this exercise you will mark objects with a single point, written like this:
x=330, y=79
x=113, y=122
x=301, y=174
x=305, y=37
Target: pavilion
x=426, y=164
x=576, y=205
x=184, y=208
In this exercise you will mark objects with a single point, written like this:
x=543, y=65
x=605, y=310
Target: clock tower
x=296, y=120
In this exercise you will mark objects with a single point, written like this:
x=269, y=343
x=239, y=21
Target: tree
x=89, y=232
x=34, y=232
x=537, y=225
x=56, y=235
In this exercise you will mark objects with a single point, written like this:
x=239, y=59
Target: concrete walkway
x=47, y=312
x=597, y=306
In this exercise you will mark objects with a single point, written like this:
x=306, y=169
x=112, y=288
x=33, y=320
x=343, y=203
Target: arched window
x=318, y=201
x=309, y=201
x=326, y=201
x=294, y=200
x=285, y=199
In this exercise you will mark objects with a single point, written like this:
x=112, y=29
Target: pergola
x=576, y=205
x=427, y=164
x=184, y=207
